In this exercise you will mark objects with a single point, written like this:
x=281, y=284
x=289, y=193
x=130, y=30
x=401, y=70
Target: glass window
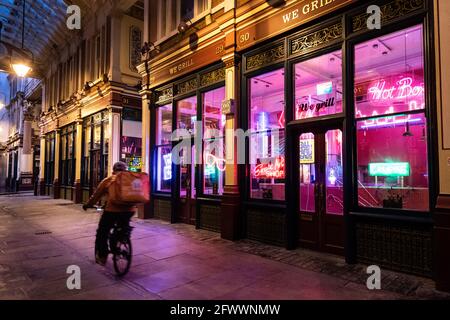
x=391, y=129
x=187, y=114
x=163, y=148
x=389, y=74
x=213, y=142
x=307, y=173
x=267, y=122
x=164, y=169
x=163, y=124
x=318, y=86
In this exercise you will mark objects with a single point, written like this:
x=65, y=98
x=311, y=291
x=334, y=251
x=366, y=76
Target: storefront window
x=131, y=143
x=213, y=142
x=67, y=160
x=163, y=148
x=187, y=114
x=267, y=123
x=86, y=168
x=318, y=86
x=392, y=150
x=389, y=74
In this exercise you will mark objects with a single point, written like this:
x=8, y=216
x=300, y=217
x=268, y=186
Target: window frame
x=427, y=112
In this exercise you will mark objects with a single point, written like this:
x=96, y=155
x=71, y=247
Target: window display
x=213, y=142
x=392, y=147
x=163, y=148
x=318, y=86
x=267, y=123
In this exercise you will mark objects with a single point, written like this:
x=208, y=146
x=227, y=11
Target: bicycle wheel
x=122, y=254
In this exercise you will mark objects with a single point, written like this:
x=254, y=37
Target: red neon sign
x=271, y=170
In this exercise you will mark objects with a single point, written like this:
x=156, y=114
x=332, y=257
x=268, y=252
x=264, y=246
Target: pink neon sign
x=403, y=89
x=271, y=170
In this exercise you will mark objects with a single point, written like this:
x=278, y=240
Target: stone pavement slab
x=40, y=237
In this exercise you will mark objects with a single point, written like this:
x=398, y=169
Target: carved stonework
x=212, y=77
x=389, y=12
x=265, y=58
x=135, y=47
x=164, y=95
x=187, y=86
x=316, y=39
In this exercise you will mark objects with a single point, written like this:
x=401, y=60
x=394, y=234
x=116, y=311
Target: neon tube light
x=271, y=170
x=389, y=169
x=403, y=90
x=213, y=161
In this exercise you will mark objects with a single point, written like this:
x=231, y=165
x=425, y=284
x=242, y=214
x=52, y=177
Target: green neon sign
x=389, y=169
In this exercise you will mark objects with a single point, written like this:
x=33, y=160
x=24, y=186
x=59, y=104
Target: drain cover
x=41, y=233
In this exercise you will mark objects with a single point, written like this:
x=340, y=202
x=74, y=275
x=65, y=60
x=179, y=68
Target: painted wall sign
x=198, y=59
x=297, y=14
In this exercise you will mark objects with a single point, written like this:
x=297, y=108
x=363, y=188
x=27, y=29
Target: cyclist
x=113, y=213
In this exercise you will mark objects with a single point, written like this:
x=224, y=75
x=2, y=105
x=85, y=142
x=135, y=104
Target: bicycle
x=119, y=245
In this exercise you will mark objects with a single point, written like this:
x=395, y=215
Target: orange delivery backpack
x=129, y=188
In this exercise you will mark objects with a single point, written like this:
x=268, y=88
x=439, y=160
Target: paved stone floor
x=41, y=237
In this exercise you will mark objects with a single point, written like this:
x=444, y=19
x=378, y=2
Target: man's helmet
x=120, y=166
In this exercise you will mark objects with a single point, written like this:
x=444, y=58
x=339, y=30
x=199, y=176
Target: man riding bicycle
x=114, y=213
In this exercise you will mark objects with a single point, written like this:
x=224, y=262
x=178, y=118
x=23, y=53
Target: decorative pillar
x=56, y=182
x=114, y=72
x=231, y=201
x=441, y=214
x=25, y=182
x=42, y=166
x=115, y=121
x=77, y=191
x=145, y=211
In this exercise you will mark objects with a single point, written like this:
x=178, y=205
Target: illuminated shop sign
x=325, y=88
x=307, y=151
x=389, y=169
x=135, y=164
x=271, y=170
x=167, y=166
x=403, y=89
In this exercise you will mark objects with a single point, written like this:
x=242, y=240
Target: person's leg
x=104, y=227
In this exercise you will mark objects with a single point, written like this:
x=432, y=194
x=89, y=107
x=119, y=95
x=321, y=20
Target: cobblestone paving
x=41, y=237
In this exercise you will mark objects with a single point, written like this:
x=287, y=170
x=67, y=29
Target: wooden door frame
x=293, y=132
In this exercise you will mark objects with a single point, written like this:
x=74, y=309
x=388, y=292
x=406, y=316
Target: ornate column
x=231, y=201
x=114, y=134
x=77, y=190
x=26, y=157
x=145, y=211
x=42, y=166
x=441, y=214
x=56, y=182
x=114, y=72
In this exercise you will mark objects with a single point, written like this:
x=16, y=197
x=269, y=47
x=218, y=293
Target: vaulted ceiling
x=45, y=25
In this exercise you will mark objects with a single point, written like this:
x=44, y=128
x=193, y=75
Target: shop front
x=337, y=118
x=67, y=161
x=340, y=157
x=189, y=190
x=96, y=138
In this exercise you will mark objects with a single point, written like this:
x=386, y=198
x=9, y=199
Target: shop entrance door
x=187, y=191
x=321, y=190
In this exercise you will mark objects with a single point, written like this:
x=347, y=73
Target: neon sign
x=167, y=166
x=403, y=90
x=271, y=170
x=212, y=161
x=389, y=169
